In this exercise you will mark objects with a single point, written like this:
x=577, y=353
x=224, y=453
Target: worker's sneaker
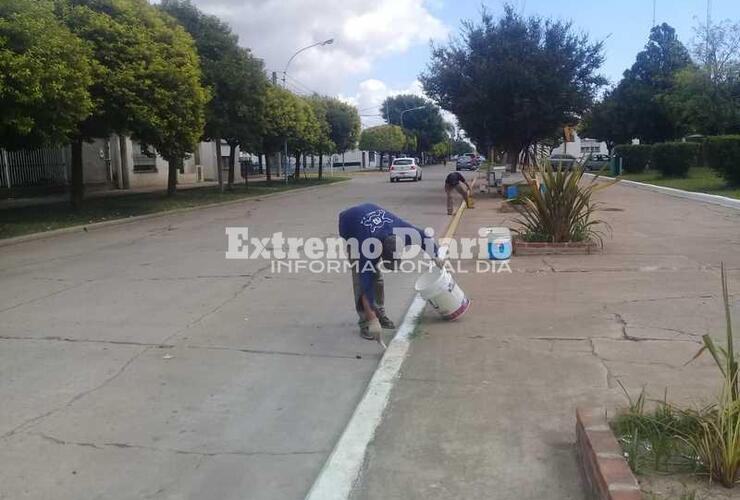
x=386, y=323
x=365, y=333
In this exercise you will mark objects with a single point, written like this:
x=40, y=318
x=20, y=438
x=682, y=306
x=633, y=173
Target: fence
x=37, y=167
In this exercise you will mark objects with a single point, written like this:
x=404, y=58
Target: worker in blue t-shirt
x=358, y=224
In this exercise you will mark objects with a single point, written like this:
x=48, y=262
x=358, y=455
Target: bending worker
x=454, y=181
x=359, y=224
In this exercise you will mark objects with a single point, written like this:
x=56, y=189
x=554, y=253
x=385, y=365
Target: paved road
x=137, y=362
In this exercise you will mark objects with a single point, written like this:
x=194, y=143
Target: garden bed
x=522, y=247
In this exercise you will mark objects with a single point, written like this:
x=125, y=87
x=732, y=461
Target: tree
x=45, y=73
x=426, y=124
x=717, y=49
x=234, y=77
x=384, y=139
x=702, y=105
x=147, y=81
x=344, y=126
x=287, y=118
x=311, y=132
x=512, y=81
x=460, y=147
x=637, y=107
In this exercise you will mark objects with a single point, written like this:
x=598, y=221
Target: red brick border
x=544, y=248
x=605, y=471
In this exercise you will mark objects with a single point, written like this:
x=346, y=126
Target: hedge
x=722, y=154
x=673, y=159
x=635, y=157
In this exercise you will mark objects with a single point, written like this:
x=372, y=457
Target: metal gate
x=33, y=167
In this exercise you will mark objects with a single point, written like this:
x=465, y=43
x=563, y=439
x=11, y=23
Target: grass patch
x=699, y=179
x=35, y=219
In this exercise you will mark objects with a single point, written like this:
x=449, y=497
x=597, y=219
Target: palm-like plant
x=559, y=207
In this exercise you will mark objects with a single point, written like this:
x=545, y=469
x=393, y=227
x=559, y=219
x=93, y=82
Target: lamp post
x=285, y=72
x=317, y=44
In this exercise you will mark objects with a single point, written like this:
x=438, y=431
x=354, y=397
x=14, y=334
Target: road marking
x=713, y=199
x=341, y=470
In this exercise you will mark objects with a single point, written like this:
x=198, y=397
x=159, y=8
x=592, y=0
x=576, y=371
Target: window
x=590, y=149
x=371, y=155
x=144, y=159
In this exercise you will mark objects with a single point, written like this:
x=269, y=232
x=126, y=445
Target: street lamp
x=285, y=72
x=317, y=44
x=410, y=109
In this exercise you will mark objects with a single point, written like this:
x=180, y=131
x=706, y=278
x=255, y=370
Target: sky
x=380, y=47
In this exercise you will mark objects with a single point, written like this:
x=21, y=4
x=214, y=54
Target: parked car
x=467, y=161
x=596, y=162
x=405, y=168
x=565, y=162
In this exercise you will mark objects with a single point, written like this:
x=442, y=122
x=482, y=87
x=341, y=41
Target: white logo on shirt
x=375, y=219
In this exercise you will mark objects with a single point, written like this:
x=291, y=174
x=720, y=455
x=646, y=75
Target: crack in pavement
x=189, y=346
x=36, y=299
x=33, y=420
x=178, y=451
x=608, y=371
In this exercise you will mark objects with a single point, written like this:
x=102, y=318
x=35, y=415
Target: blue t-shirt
x=371, y=221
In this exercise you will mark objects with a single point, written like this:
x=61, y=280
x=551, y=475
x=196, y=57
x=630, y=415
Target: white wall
x=579, y=147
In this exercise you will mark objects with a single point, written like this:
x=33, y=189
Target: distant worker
x=454, y=180
x=363, y=222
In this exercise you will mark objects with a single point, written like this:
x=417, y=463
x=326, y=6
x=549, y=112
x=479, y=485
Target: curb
x=712, y=199
x=126, y=220
x=605, y=471
x=342, y=469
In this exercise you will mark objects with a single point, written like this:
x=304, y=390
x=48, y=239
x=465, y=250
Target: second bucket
x=439, y=289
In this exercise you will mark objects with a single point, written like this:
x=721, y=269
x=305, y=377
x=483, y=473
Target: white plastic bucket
x=442, y=293
x=499, y=242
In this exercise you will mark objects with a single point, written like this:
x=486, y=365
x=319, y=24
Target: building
x=115, y=162
x=581, y=147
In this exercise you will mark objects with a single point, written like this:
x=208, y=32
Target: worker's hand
x=376, y=330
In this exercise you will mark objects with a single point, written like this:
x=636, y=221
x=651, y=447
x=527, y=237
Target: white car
x=405, y=168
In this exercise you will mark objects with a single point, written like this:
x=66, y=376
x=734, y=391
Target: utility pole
x=274, y=77
x=653, y=14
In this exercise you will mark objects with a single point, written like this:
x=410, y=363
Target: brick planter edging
x=522, y=247
x=605, y=471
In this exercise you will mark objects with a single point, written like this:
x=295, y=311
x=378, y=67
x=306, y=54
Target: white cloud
x=362, y=31
x=371, y=94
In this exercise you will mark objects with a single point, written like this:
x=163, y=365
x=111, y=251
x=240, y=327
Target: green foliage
x=722, y=154
x=702, y=105
x=560, y=209
x=513, y=81
x=441, y=150
x=674, y=159
x=233, y=75
x=383, y=138
x=426, y=124
x=45, y=73
x=636, y=108
x=717, y=443
x=460, y=147
x=290, y=117
x=322, y=143
x=635, y=157
x=344, y=124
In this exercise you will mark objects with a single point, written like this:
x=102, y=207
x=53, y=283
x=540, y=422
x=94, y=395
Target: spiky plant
x=559, y=208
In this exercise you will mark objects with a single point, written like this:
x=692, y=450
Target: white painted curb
x=341, y=471
x=712, y=199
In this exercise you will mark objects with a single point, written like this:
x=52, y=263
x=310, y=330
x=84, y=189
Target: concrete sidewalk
x=484, y=407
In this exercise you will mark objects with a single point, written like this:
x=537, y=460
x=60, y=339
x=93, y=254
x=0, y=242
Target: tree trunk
x=174, y=166
x=232, y=159
x=219, y=170
x=259, y=159
x=268, y=167
x=297, y=173
x=321, y=166
x=77, y=188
